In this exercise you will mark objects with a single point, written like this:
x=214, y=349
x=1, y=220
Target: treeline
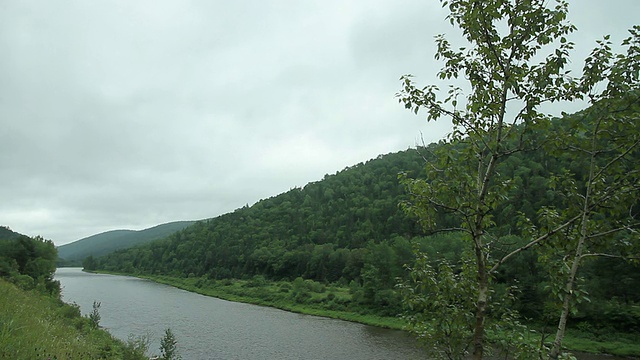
x=349, y=229
x=28, y=262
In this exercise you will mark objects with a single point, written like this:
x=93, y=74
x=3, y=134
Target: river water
x=211, y=328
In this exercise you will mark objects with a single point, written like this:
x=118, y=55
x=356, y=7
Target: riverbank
x=312, y=298
x=308, y=297
x=40, y=326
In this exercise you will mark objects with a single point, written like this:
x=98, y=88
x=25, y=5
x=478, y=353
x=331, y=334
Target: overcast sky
x=129, y=114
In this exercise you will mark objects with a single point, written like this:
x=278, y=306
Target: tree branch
x=534, y=242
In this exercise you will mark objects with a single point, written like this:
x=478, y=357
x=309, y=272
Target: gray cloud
x=127, y=114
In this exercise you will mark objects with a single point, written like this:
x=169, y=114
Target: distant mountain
x=110, y=241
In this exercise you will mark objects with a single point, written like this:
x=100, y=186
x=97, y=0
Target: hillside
x=325, y=231
x=328, y=230
x=107, y=242
x=350, y=229
x=347, y=228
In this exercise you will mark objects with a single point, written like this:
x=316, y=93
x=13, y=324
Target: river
x=211, y=328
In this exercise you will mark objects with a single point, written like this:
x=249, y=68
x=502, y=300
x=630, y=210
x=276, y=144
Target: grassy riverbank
x=35, y=326
x=313, y=298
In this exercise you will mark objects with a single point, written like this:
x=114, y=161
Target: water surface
x=211, y=328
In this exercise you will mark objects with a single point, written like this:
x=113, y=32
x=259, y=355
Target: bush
x=135, y=348
x=285, y=286
x=256, y=281
x=69, y=311
x=24, y=282
x=302, y=297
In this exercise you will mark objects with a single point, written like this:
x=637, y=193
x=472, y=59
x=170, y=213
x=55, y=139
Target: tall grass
x=34, y=326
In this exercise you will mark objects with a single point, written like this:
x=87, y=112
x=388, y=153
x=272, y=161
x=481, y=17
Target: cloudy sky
x=128, y=114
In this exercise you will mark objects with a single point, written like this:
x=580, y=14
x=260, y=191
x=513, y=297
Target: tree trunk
x=566, y=302
x=575, y=265
x=481, y=304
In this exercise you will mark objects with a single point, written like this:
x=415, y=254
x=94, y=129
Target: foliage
x=135, y=346
x=497, y=118
x=506, y=90
x=89, y=263
x=94, y=316
x=440, y=311
x=168, y=346
x=601, y=194
x=29, y=262
x=8, y=234
x=34, y=322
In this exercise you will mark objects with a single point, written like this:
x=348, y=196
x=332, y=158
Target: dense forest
x=350, y=229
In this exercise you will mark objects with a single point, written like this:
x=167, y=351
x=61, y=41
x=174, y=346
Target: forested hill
x=345, y=227
x=320, y=231
x=104, y=243
x=349, y=228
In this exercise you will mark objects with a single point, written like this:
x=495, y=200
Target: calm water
x=210, y=328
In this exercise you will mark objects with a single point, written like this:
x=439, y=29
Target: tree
x=603, y=192
x=440, y=301
x=94, y=317
x=89, y=263
x=499, y=117
x=30, y=262
x=168, y=346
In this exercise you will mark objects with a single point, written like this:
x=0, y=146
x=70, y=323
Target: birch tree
x=493, y=116
x=602, y=189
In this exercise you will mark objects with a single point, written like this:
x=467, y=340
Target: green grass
x=612, y=342
x=35, y=326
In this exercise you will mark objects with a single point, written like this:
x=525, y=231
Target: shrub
x=94, y=317
x=168, y=346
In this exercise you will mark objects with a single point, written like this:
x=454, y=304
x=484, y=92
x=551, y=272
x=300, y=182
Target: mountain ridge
x=112, y=240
